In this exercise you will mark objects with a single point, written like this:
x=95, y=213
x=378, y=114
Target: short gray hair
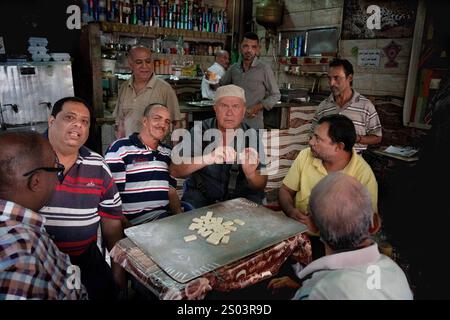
x=341, y=208
x=139, y=47
x=221, y=52
x=150, y=107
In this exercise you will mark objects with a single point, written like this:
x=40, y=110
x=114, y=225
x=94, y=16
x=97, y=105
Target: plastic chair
x=186, y=206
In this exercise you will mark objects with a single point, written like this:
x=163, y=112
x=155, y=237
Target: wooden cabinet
x=428, y=66
x=90, y=84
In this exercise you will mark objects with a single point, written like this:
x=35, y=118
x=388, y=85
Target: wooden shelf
x=307, y=74
x=308, y=69
x=145, y=31
x=419, y=125
x=105, y=120
x=303, y=64
x=156, y=55
x=91, y=83
x=306, y=60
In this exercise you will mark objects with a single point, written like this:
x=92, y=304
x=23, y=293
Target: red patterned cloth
x=240, y=274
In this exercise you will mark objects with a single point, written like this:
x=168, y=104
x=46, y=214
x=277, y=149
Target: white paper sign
x=369, y=58
x=2, y=46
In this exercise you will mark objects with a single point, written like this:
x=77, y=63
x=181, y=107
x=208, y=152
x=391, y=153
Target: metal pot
x=269, y=13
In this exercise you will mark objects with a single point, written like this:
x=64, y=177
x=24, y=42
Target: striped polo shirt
x=87, y=193
x=142, y=177
x=359, y=109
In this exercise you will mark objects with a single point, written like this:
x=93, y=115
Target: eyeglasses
x=59, y=169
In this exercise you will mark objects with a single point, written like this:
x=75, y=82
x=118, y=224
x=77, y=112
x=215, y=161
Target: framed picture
x=396, y=17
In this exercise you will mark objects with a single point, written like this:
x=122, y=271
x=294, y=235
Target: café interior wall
x=310, y=14
x=39, y=18
x=21, y=19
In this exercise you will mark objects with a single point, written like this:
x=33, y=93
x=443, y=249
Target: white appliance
x=28, y=90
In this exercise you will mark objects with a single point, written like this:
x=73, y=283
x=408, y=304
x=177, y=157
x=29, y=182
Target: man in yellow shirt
x=330, y=149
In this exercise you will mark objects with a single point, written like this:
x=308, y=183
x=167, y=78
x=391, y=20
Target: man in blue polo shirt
x=85, y=197
x=140, y=167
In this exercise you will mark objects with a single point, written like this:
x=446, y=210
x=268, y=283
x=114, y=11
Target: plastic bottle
x=286, y=52
x=86, y=15
x=101, y=10
x=234, y=54
x=225, y=22
x=139, y=12
x=199, y=71
x=167, y=66
x=111, y=10
x=300, y=46
x=157, y=67
x=148, y=14
x=126, y=11
x=95, y=9
x=180, y=45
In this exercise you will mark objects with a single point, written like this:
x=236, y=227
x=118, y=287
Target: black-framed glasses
x=59, y=169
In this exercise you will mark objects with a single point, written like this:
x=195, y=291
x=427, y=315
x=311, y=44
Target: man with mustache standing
x=256, y=78
x=348, y=102
x=142, y=89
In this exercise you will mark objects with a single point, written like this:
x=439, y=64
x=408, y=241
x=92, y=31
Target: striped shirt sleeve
x=172, y=182
x=373, y=122
x=317, y=116
x=111, y=203
x=117, y=167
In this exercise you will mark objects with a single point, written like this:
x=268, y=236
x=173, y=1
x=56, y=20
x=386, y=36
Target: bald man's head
x=19, y=152
x=141, y=63
x=341, y=209
x=23, y=152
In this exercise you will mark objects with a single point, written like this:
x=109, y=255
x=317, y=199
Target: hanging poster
x=369, y=58
x=396, y=19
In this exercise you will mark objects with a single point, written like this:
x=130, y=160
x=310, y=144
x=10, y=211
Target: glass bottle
x=199, y=71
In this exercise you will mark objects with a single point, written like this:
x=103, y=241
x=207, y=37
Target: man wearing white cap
x=233, y=168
